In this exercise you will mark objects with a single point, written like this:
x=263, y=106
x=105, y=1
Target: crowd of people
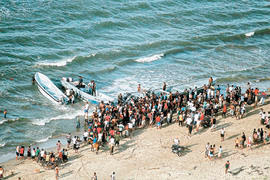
x=45, y=158
x=194, y=108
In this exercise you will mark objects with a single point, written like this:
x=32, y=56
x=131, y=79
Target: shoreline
x=128, y=147
x=49, y=145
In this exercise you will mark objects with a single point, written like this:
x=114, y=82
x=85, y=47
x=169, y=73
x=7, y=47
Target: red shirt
x=224, y=108
x=112, y=132
x=22, y=151
x=158, y=119
x=256, y=92
x=98, y=129
x=202, y=117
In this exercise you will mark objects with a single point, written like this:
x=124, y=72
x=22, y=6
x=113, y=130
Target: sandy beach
x=147, y=155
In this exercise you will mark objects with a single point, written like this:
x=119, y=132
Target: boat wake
x=150, y=59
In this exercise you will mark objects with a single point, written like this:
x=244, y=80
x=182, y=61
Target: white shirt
x=222, y=131
x=112, y=141
x=176, y=141
x=86, y=107
x=85, y=134
x=189, y=120
x=74, y=140
x=130, y=126
x=100, y=136
x=42, y=153
x=33, y=153
x=196, y=117
x=121, y=127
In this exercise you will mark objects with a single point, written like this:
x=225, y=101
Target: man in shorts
x=17, y=152
x=222, y=134
x=68, y=140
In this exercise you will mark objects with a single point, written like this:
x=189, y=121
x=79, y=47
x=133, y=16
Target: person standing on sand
x=112, y=144
x=113, y=176
x=68, y=139
x=56, y=172
x=207, y=147
x=222, y=134
x=243, y=140
x=17, y=152
x=58, y=144
x=1, y=172
x=224, y=110
x=86, y=109
x=227, y=166
x=249, y=142
x=22, y=152
x=220, y=152
x=94, y=176
x=236, y=143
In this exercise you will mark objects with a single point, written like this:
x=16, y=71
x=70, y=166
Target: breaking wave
x=150, y=59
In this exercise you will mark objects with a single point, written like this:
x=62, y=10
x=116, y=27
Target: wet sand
x=147, y=155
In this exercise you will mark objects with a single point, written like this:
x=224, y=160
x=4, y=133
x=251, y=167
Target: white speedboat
x=49, y=90
x=83, y=93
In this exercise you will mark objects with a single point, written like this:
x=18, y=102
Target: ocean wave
x=71, y=115
x=2, y=144
x=150, y=59
x=63, y=62
x=8, y=120
x=44, y=140
x=249, y=34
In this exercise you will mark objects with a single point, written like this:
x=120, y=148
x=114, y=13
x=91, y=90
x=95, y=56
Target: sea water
x=120, y=44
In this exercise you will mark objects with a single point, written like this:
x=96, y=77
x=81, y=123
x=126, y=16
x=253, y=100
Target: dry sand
x=147, y=155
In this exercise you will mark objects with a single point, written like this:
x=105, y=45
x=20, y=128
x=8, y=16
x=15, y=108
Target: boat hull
x=49, y=90
x=85, y=96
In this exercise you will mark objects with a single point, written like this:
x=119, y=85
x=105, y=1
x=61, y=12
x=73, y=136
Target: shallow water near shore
x=121, y=44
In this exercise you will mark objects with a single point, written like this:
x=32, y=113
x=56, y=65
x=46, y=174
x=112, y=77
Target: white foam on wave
x=63, y=62
x=3, y=121
x=44, y=140
x=69, y=115
x=249, y=34
x=150, y=59
x=2, y=144
x=6, y=120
